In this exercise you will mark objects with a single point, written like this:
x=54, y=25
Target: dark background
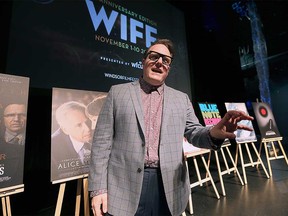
x=214, y=34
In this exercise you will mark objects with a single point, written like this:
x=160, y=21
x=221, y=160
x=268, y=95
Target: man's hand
x=228, y=124
x=99, y=204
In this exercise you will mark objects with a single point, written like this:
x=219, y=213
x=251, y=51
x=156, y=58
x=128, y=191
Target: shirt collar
x=148, y=88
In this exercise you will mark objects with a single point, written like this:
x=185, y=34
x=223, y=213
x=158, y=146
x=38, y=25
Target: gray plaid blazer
x=118, y=150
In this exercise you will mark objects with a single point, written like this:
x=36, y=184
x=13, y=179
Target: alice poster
x=210, y=113
x=14, y=92
x=265, y=119
x=242, y=136
x=74, y=117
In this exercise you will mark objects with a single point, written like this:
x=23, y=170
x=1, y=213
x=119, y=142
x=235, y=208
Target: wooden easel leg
x=8, y=206
x=208, y=162
x=78, y=197
x=210, y=177
x=260, y=149
x=86, y=197
x=274, y=149
x=283, y=152
x=235, y=166
x=267, y=157
x=224, y=159
x=197, y=171
x=259, y=158
x=236, y=155
x=220, y=172
x=60, y=199
x=4, y=210
x=249, y=154
x=242, y=163
x=190, y=204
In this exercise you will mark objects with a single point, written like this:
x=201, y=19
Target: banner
x=93, y=43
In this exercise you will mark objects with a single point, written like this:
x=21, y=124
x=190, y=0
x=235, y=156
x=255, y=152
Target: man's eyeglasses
x=154, y=56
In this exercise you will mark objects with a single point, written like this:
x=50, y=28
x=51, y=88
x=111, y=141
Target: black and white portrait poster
x=242, y=136
x=74, y=117
x=265, y=119
x=14, y=92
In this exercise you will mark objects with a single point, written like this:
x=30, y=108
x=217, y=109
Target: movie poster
x=14, y=92
x=74, y=117
x=242, y=135
x=210, y=113
x=265, y=119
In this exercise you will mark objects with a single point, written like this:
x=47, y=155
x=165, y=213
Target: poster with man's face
x=74, y=118
x=265, y=119
x=14, y=92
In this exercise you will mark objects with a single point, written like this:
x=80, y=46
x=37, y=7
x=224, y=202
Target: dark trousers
x=152, y=200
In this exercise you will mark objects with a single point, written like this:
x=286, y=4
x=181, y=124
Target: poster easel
x=5, y=198
x=211, y=116
x=227, y=169
x=191, y=151
x=246, y=138
x=269, y=133
x=69, y=159
x=251, y=161
x=276, y=154
x=81, y=182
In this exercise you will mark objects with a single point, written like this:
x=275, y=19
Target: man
x=12, y=154
x=71, y=143
x=14, y=118
x=137, y=164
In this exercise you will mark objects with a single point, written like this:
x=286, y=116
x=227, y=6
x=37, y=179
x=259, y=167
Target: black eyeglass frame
x=160, y=55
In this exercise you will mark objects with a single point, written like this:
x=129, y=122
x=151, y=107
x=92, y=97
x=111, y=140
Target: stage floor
x=260, y=196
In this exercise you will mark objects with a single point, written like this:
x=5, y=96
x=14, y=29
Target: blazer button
x=139, y=170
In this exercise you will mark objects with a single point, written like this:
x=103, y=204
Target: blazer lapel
x=166, y=111
x=137, y=102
